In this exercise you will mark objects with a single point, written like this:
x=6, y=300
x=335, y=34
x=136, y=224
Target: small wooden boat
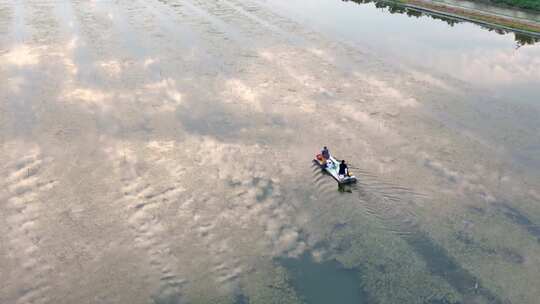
x=331, y=166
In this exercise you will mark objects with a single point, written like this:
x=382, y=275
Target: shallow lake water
x=161, y=152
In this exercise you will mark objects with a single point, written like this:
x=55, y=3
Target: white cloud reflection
x=491, y=67
x=209, y=220
x=21, y=55
x=238, y=92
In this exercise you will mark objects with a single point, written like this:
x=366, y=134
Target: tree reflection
x=522, y=40
x=395, y=8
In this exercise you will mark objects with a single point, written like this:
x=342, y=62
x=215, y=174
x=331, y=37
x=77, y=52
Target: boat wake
x=390, y=204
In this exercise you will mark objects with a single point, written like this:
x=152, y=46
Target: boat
x=331, y=166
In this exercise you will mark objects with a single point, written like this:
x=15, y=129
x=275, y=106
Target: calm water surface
x=160, y=152
x=497, y=63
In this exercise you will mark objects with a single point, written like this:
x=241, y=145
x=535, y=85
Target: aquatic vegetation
x=269, y=284
x=390, y=272
x=321, y=282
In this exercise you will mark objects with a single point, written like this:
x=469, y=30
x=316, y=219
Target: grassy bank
x=475, y=16
x=526, y=32
x=533, y=5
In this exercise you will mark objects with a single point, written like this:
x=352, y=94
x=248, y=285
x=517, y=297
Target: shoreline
x=479, y=17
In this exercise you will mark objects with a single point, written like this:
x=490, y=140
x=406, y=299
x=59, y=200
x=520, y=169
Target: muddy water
x=160, y=152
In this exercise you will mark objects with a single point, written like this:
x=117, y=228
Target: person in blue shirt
x=325, y=153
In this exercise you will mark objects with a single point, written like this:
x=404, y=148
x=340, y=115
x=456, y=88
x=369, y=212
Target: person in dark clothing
x=343, y=169
x=325, y=153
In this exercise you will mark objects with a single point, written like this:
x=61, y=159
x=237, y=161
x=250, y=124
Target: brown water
x=160, y=152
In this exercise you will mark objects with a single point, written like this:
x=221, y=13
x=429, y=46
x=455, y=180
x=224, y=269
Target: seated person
x=329, y=164
x=325, y=153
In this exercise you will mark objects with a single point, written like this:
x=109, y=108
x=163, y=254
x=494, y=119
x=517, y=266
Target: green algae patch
x=490, y=245
x=321, y=282
x=269, y=284
x=390, y=272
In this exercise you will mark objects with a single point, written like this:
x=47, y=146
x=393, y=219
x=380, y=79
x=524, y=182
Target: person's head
x=325, y=148
x=343, y=162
